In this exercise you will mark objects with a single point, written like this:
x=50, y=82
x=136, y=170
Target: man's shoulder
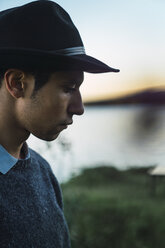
x=42, y=164
x=47, y=173
x=37, y=158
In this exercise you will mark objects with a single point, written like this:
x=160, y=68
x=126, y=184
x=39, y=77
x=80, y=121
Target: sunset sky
x=126, y=34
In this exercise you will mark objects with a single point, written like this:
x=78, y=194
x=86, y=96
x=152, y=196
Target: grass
x=106, y=207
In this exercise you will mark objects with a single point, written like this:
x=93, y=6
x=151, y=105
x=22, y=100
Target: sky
x=125, y=34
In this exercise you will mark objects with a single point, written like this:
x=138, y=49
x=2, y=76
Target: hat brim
x=51, y=61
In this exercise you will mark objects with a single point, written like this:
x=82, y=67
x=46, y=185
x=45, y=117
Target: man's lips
x=64, y=125
x=67, y=123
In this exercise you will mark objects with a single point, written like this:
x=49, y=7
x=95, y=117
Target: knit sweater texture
x=31, y=210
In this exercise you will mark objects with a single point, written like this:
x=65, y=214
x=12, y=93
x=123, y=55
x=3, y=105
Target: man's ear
x=14, y=81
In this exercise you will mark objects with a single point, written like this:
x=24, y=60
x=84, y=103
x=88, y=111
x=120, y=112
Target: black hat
x=41, y=35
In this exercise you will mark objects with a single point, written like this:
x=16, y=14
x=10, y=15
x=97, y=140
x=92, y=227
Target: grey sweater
x=31, y=214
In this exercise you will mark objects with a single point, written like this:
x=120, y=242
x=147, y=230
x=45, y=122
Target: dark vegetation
x=109, y=208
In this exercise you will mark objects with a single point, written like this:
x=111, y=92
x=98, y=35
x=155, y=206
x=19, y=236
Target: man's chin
x=47, y=137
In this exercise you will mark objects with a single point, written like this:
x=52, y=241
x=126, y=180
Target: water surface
x=122, y=136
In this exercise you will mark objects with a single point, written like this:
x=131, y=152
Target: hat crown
x=41, y=25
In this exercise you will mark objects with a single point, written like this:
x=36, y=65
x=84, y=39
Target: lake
x=122, y=136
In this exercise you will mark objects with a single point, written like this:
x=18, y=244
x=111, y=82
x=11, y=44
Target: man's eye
x=69, y=89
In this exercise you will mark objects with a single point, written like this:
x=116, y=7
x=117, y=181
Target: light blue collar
x=7, y=161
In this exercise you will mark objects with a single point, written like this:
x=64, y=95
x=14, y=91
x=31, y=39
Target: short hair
x=41, y=78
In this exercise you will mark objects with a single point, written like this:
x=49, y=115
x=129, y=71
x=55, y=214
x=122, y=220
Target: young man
x=42, y=60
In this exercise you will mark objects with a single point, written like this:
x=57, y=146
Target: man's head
x=47, y=112
x=42, y=60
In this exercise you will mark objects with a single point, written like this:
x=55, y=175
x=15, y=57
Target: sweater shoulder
x=46, y=170
x=38, y=158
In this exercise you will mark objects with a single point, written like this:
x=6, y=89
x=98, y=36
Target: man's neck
x=12, y=135
x=13, y=149
x=12, y=138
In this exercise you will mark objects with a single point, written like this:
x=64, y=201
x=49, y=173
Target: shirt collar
x=7, y=161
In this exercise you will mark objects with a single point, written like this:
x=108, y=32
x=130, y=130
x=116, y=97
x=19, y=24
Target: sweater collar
x=7, y=161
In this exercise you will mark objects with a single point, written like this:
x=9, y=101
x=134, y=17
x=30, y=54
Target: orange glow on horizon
x=120, y=94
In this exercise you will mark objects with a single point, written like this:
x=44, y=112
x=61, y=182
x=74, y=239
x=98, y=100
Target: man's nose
x=76, y=106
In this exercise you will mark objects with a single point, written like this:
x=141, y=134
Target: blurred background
x=103, y=160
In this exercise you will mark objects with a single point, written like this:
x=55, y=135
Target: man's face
x=51, y=110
